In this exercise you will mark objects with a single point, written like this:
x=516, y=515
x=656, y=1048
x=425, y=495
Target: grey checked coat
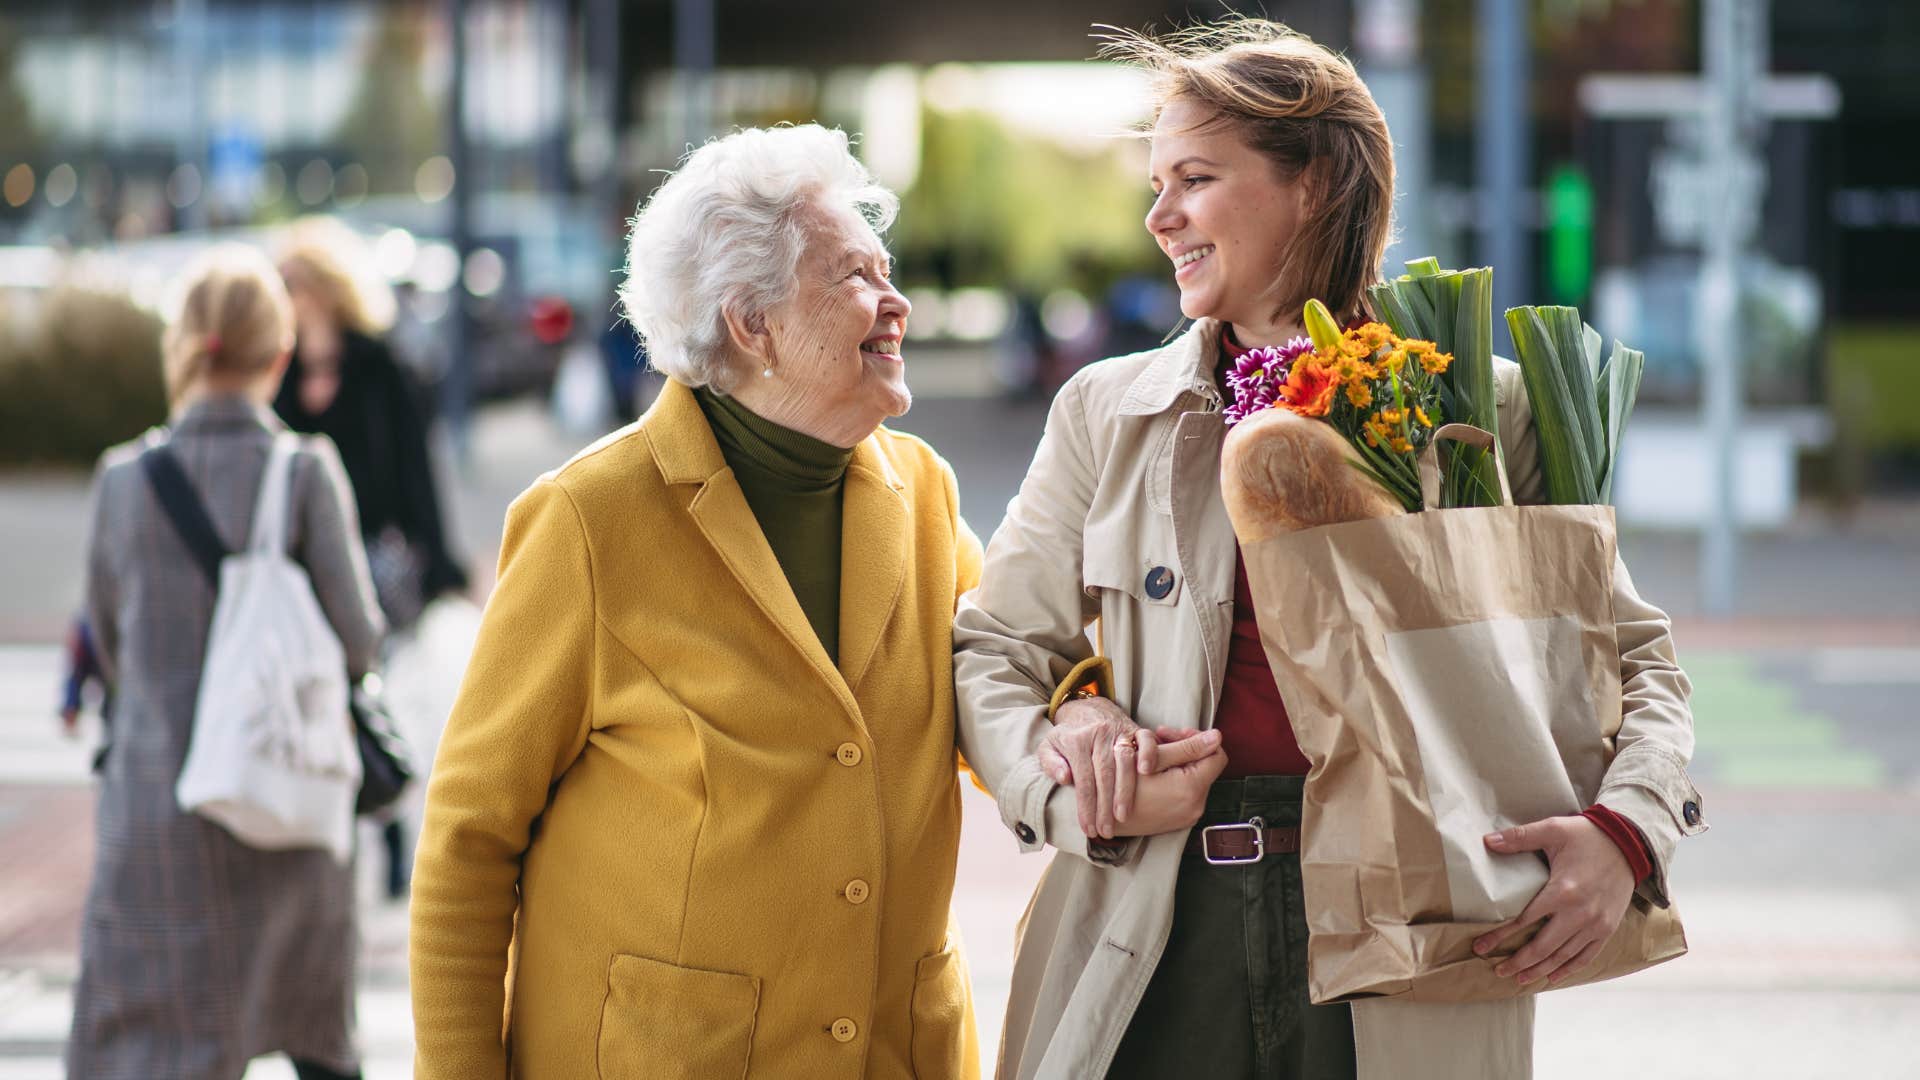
x=198, y=952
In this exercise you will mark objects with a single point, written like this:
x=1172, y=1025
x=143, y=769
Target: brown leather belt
x=1242, y=842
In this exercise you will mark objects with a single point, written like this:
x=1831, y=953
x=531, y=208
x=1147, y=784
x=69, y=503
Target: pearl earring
x=766, y=373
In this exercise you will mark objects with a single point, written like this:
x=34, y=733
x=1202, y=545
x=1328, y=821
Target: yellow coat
x=709, y=851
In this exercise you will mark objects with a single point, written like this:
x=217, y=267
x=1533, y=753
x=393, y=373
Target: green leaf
x=1616, y=388
x=1565, y=460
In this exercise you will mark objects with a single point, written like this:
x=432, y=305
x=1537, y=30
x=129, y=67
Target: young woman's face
x=1224, y=215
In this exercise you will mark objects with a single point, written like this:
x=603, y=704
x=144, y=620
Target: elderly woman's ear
x=748, y=333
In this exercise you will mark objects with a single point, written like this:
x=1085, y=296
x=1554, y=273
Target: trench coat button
x=1025, y=832
x=858, y=891
x=848, y=754
x=844, y=1030
x=1159, y=582
x=1691, y=811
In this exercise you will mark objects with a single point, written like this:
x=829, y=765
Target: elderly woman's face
x=836, y=341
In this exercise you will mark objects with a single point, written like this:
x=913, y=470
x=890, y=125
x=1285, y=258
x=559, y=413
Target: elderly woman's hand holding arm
x=1020, y=633
x=521, y=719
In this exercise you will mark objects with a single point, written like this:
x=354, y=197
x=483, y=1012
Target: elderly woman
x=696, y=811
x=1272, y=176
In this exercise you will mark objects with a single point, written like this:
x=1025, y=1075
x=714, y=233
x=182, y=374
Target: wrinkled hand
x=1589, y=884
x=1098, y=750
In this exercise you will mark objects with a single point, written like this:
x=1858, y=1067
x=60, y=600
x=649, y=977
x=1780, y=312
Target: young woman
x=197, y=952
x=1272, y=173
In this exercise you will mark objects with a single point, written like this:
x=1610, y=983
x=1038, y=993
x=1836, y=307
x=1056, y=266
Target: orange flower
x=1309, y=389
x=1374, y=335
x=1360, y=393
x=1435, y=363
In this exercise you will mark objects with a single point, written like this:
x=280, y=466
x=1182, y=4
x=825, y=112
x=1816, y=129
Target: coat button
x=1690, y=810
x=1025, y=832
x=858, y=891
x=1159, y=582
x=848, y=754
x=844, y=1030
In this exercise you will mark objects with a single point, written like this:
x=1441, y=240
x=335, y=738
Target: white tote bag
x=272, y=759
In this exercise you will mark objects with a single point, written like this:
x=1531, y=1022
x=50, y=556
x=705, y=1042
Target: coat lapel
x=684, y=445
x=873, y=556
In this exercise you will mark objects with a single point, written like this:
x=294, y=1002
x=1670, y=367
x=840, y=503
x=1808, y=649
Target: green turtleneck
x=793, y=484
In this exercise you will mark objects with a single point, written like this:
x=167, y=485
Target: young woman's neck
x=1275, y=333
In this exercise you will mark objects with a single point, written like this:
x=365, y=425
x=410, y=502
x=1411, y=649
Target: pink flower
x=1256, y=378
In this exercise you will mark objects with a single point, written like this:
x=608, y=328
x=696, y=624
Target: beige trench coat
x=1126, y=480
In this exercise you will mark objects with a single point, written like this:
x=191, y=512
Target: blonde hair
x=336, y=263
x=1307, y=110
x=233, y=317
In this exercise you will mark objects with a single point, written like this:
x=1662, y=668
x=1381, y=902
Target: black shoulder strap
x=184, y=509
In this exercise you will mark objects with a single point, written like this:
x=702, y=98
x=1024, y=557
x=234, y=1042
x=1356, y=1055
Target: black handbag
x=386, y=767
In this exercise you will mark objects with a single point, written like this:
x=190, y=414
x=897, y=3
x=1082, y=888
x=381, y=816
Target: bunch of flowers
x=1381, y=392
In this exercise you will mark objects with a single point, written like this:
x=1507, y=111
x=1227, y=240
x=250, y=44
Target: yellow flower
x=1401, y=446
x=1391, y=417
x=1397, y=358
x=1360, y=393
x=1420, y=414
x=1372, y=439
x=1435, y=363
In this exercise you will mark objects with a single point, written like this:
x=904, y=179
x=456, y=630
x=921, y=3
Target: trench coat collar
x=1182, y=366
x=874, y=528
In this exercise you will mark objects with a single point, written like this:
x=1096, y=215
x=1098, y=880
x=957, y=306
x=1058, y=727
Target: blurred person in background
x=344, y=383
x=198, y=952
x=1272, y=172
x=697, y=811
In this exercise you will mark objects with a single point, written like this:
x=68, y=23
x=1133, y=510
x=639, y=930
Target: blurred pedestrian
x=198, y=952
x=1272, y=173
x=344, y=383
x=697, y=809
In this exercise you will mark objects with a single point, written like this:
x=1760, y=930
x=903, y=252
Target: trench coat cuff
x=1649, y=786
x=1039, y=812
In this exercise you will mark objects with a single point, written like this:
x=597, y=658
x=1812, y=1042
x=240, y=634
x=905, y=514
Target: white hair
x=725, y=232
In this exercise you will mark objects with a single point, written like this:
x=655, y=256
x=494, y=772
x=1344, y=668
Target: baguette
x=1281, y=472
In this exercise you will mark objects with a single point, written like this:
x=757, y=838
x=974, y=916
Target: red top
x=1252, y=720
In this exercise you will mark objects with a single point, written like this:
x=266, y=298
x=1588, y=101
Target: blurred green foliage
x=996, y=207
x=80, y=375
x=1873, y=385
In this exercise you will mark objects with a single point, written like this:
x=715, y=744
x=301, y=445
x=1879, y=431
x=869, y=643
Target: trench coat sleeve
x=1023, y=629
x=1647, y=782
x=520, y=721
x=335, y=559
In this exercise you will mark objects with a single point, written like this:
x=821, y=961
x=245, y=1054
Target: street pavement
x=1802, y=905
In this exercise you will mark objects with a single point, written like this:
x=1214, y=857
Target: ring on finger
x=1129, y=742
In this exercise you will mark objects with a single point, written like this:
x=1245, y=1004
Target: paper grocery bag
x=1447, y=673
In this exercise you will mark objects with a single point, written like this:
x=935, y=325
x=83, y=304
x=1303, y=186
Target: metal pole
x=1733, y=37
x=190, y=58
x=1502, y=157
x=1388, y=35
x=457, y=392
x=693, y=52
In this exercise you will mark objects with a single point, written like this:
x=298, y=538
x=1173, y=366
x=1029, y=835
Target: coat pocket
x=663, y=1022
x=944, y=1046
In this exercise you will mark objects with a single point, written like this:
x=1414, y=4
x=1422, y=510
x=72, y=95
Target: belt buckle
x=1257, y=826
